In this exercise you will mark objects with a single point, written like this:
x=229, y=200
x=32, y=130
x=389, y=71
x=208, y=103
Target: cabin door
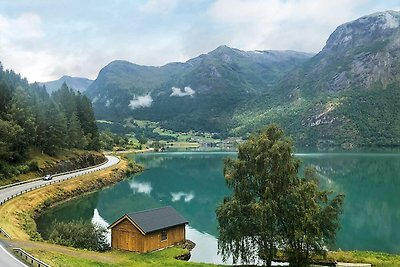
x=125, y=240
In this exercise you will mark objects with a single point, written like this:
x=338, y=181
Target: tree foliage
x=79, y=234
x=109, y=140
x=29, y=117
x=271, y=207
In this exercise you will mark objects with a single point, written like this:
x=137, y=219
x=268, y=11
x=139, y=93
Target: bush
x=33, y=166
x=79, y=234
x=23, y=169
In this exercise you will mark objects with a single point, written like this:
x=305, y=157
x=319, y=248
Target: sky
x=46, y=39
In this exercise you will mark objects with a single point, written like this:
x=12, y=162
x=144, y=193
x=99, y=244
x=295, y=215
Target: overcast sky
x=45, y=39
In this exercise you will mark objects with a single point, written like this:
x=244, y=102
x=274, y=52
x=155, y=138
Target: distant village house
x=148, y=230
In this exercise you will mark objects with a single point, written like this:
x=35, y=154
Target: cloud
x=141, y=102
x=187, y=91
x=141, y=187
x=301, y=25
x=25, y=26
x=158, y=6
x=187, y=197
x=44, y=41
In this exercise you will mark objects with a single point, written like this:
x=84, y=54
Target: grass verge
x=377, y=259
x=17, y=215
x=59, y=256
x=63, y=257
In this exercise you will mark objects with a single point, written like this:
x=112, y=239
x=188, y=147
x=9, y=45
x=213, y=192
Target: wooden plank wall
x=153, y=241
x=126, y=236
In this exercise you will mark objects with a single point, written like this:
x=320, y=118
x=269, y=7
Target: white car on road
x=48, y=177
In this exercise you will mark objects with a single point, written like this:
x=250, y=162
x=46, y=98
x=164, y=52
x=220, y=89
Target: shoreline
x=19, y=214
x=26, y=212
x=132, y=151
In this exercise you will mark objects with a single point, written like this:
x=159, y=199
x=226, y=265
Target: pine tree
x=5, y=98
x=66, y=99
x=88, y=122
x=75, y=133
x=21, y=112
x=10, y=133
x=55, y=133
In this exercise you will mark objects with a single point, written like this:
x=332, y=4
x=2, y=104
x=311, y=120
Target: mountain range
x=200, y=94
x=346, y=95
x=77, y=83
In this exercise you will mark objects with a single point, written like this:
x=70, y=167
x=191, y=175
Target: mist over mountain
x=200, y=94
x=346, y=95
x=76, y=83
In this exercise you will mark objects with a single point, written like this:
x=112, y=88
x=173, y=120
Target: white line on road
x=12, y=256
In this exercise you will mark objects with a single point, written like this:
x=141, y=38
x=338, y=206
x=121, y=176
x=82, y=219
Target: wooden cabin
x=148, y=230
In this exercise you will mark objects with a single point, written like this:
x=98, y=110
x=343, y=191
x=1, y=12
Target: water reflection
x=193, y=184
x=187, y=197
x=206, y=247
x=371, y=182
x=98, y=220
x=140, y=187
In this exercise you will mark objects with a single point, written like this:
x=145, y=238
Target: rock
x=187, y=244
x=184, y=257
x=79, y=162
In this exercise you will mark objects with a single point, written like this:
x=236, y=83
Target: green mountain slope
x=200, y=94
x=348, y=94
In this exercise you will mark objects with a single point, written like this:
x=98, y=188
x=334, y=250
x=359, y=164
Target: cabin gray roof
x=157, y=219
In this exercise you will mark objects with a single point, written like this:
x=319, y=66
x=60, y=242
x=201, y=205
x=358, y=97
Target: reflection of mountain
x=371, y=185
x=181, y=181
x=80, y=208
x=148, y=160
x=193, y=184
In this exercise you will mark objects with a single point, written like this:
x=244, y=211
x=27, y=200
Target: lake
x=192, y=182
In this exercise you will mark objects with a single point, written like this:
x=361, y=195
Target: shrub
x=33, y=166
x=23, y=169
x=79, y=234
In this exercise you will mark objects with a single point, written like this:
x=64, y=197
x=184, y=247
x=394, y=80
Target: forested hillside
x=200, y=94
x=32, y=119
x=347, y=95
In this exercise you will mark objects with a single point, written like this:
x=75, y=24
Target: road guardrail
x=54, y=175
x=56, y=181
x=3, y=232
x=29, y=258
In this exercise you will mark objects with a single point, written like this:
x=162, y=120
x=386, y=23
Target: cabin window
x=164, y=235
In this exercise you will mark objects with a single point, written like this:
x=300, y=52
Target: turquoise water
x=193, y=184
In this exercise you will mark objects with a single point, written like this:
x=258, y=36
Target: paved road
x=11, y=191
x=6, y=258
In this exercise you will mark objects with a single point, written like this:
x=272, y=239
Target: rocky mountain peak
x=360, y=54
x=364, y=30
